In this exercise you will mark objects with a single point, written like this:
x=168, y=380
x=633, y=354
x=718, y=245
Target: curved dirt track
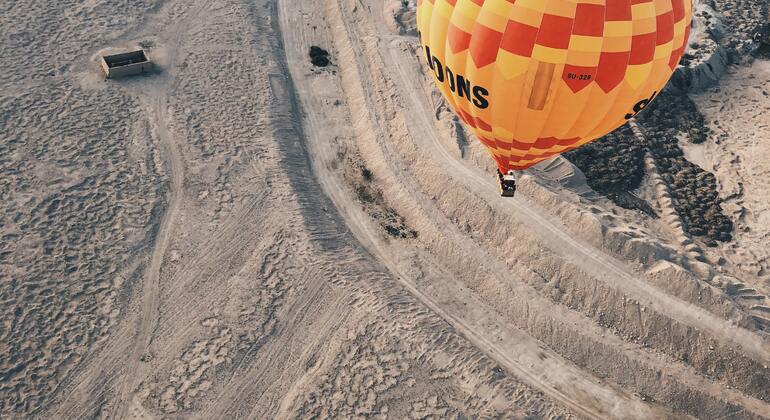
x=551, y=375
x=269, y=282
x=556, y=236
x=364, y=98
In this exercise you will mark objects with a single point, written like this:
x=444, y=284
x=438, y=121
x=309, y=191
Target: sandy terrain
x=246, y=235
x=737, y=156
x=739, y=159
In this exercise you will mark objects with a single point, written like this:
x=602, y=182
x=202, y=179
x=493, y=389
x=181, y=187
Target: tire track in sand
x=407, y=192
x=92, y=382
x=556, y=237
x=590, y=400
x=150, y=306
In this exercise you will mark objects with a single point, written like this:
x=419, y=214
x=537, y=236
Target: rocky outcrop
x=614, y=166
x=705, y=60
x=670, y=215
x=402, y=17
x=721, y=33
x=704, y=73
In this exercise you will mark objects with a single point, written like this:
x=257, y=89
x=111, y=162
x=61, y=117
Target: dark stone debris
x=319, y=56
x=613, y=166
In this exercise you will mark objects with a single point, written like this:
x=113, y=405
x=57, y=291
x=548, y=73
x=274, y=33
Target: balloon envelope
x=535, y=78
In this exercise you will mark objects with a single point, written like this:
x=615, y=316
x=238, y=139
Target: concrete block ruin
x=126, y=64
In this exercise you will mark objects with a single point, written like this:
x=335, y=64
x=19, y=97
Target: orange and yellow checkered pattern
x=535, y=78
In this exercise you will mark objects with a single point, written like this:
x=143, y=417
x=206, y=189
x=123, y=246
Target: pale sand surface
x=740, y=159
x=244, y=235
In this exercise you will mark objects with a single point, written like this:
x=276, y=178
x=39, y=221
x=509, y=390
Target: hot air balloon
x=535, y=78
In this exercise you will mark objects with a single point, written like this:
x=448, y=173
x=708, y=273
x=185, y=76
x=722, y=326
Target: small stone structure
x=126, y=64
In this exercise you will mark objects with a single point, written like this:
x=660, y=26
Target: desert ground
x=246, y=233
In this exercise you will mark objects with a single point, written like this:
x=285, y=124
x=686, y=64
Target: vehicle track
x=557, y=237
x=137, y=334
x=151, y=284
x=684, y=374
x=591, y=400
x=557, y=231
x=228, y=239
x=593, y=261
x=151, y=291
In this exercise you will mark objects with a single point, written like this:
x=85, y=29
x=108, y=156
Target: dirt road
x=362, y=97
x=319, y=246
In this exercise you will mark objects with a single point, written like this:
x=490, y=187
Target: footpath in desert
x=250, y=232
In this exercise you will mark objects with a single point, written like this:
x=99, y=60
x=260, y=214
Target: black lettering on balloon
x=438, y=69
x=480, y=97
x=640, y=106
x=463, y=87
x=450, y=76
x=458, y=84
x=575, y=76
